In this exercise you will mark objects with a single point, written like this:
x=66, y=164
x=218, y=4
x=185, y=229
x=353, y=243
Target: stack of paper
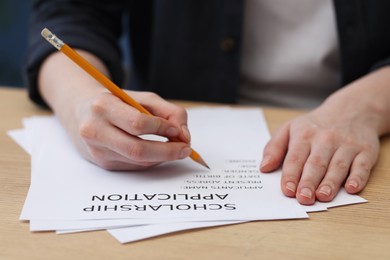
x=70, y=194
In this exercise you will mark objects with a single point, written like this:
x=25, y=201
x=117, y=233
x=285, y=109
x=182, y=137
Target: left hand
x=320, y=154
x=336, y=144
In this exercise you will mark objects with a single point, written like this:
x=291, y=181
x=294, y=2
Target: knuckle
x=368, y=147
x=318, y=162
x=360, y=178
x=158, y=126
x=349, y=141
x=294, y=159
x=341, y=166
x=138, y=123
x=136, y=152
x=288, y=177
x=99, y=105
x=306, y=134
x=364, y=164
x=328, y=137
x=88, y=131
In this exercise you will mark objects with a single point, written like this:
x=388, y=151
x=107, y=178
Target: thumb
x=275, y=150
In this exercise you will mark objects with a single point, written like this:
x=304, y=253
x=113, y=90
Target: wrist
x=60, y=81
x=366, y=99
x=66, y=88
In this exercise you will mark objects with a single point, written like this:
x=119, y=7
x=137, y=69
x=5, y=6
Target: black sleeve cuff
x=81, y=27
x=381, y=64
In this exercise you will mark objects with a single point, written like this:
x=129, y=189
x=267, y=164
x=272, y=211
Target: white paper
x=21, y=138
x=177, y=189
x=72, y=195
x=126, y=235
x=131, y=234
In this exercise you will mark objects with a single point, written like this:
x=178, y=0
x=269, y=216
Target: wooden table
x=352, y=232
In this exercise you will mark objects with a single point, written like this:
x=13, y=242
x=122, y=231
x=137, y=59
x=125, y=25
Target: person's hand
x=334, y=145
x=106, y=130
x=320, y=154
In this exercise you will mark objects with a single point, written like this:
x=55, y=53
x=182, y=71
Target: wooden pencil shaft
x=96, y=74
x=91, y=70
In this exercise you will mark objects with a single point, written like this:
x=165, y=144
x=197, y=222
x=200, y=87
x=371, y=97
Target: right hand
x=108, y=131
x=105, y=129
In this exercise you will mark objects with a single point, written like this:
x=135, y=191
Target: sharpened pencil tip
x=196, y=157
x=202, y=162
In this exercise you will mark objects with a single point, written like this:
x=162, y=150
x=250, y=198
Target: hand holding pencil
x=108, y=135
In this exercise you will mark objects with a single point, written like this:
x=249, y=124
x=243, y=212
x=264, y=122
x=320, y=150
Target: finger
x=169, y=111
x=275, y=150
x=336, y=174
x=313, y=172
x=293, y=166
x=132, y=121
x=110, y=160
x=103, y=134
x=95, y=150
x=359, y=173
x=144, y=151
x=137, y=123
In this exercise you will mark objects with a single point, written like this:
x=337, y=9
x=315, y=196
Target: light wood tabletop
x=352, y=232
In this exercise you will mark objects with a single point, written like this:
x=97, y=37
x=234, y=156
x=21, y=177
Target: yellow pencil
x=113, y=88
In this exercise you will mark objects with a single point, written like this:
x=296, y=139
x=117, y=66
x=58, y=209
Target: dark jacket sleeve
x=381, y=64
x=364, y=36
x=94, y=26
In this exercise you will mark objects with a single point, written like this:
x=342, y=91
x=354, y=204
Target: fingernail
x=185, y=152
x=326, y=190
x=186, y=133
x=353, y=184
x=265, y=161
x=172, y=131
x=291, y=186
x=306, y=192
